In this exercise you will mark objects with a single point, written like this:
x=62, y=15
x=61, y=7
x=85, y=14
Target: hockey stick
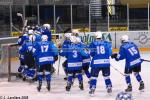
x=65, y=31
x=24, y=21
x=117, y=70
x=17, y=29
x=145, y=60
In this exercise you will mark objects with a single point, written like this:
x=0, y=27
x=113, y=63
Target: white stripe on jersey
x=101, y=61
x=49, y=58
x=77, y=64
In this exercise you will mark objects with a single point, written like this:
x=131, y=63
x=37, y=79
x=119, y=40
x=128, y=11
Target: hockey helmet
x=67, y=35
x=44, y=37
x=124, y=38
x=75, y=32
x=73, y=39
x=32, y=38
x=78, y=40
x=98, y=34
x=30, y=32
x=48, y=26
x=124, y=96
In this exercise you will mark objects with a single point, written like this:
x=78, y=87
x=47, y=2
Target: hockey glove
x=114, y=55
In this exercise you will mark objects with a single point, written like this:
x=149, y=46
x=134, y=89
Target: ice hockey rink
x=26, y=90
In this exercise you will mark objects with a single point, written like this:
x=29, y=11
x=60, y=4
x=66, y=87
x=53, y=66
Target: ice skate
x=91, y=92
x=141, y=87
x=81, y=86
x=109, y=90
x=129, y=88
x=48, y=86
x=39, y=87
x=68, y=87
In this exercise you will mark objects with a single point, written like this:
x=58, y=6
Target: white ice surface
x=18, y=88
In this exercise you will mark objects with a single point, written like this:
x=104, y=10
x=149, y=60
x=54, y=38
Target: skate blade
x=91, y=95
x=109, y=94
x=141, y=90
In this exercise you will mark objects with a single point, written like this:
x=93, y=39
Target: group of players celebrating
x=37, y=51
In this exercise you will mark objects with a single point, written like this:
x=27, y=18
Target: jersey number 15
x=132, y=51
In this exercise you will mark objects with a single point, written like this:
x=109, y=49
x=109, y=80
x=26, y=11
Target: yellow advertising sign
x=83, y=29
x=14, y=34
x=118, y=28
x=149, y=28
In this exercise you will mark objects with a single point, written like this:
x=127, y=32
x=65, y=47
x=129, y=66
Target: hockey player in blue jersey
x=45, y=53
x=100, y=52
x=46, y=31
x=86, y=59
x=26, y=51
x=22, y=40
x=129, y=51
x=74, y=55
x=64, y=45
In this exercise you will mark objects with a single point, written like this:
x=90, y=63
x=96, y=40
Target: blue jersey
x=22, y=39
x=26, y=47
x=65, y=45
x=86, y=59
x=74, y=55
x=100, y=51
x=66, y=42
x=129, y=51
x=37, y=37
x=45, y=52
x=48, y=33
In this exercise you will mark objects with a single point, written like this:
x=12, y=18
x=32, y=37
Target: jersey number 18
x=100, y=50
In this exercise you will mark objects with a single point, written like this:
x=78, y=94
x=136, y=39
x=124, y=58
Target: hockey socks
x=128, y=79
x=80, y=78
x=107, y=82
x=138, y=77
x=93, y=83
x=88, y=74
x=70, y=77
x=31, y=73
x=48, y=76
x=40, y=76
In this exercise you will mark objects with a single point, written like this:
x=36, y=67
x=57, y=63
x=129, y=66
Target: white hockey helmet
x=30, y=31
x=73, y=39
x=67, y=35
x=78, y=40
x=44, y=37
x=98, y=34
x=48, y=26
x=75, y=32
x=32, y=38
x=124, y=38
